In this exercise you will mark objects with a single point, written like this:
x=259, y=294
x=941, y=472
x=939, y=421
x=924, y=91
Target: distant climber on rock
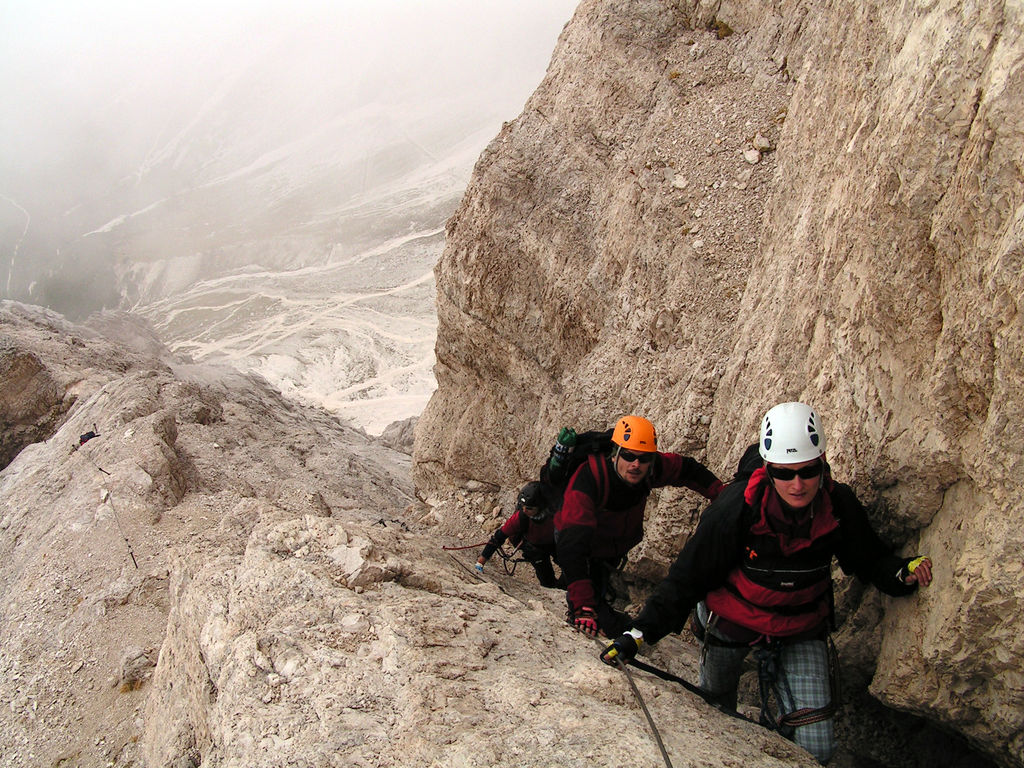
x=601, y=516
x=531, y=530
x=758, y=572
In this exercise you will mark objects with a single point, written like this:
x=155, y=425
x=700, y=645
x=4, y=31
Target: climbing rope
x=509, y=560
x=480, y=577
x=643, y=705
x=647, y=714
x=105, y=496
x=794, y=719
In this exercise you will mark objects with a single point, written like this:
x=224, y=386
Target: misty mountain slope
x=311, y=261
x=267, y=142
x=355, y=335
x=308, y=262
x=322, y=304
x=290, y=605
x=214, y=121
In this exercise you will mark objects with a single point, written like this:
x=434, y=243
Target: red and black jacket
x=765, y=572
x=602, y=516
x=521, y=527
x=782, y=585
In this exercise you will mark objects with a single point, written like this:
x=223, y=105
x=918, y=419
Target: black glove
x=623, y=648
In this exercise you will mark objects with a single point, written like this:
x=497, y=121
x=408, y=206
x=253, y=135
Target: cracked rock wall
x=707, y=208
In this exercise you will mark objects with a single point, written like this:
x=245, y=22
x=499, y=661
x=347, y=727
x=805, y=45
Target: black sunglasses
x=629, y=457
x=785, y=473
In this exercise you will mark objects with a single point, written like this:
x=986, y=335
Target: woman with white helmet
x=758, y=572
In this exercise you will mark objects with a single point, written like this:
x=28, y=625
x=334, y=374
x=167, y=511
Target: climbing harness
x=508, y=561
x=771, y=675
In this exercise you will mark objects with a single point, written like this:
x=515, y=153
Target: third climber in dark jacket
x=531, y=531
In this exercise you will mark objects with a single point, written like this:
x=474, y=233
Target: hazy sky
x=60, y=48
x=69, y=66
x=91, y=90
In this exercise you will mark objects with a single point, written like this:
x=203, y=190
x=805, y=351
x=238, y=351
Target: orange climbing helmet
x=635, y=433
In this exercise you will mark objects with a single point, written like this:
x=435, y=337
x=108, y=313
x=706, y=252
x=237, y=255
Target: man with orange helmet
x=602, y=516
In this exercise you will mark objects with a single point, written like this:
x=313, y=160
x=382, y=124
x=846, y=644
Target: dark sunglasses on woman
x=785, y=473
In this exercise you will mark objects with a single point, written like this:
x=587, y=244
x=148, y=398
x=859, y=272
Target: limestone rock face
x=224, y=578
x=400, y=435
x=31, y=402
x=98, y=539
x=709, y=208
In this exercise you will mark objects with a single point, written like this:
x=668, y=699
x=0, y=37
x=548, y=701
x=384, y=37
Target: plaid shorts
x=802, y=681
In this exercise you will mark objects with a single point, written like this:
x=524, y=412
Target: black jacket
x=716, y=548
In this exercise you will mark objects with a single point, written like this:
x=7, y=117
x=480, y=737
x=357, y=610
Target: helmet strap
x=615, y=462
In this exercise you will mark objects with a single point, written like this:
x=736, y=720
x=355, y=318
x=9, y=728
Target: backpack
x=556, y=479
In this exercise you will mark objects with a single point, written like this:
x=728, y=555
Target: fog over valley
x=267, y=183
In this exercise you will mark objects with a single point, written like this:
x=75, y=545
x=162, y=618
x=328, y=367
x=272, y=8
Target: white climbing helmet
x=791, y=433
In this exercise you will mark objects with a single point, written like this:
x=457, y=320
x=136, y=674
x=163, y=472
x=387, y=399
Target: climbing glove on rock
x=623, y=648
x=920, y=566
x=584, y=619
